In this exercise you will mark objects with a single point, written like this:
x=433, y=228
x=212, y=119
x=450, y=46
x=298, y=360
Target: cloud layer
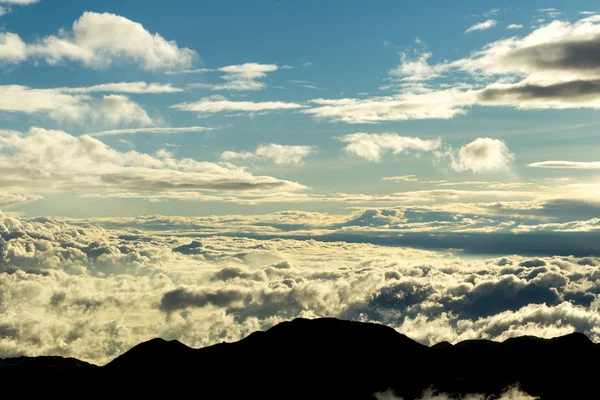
x=90, y=292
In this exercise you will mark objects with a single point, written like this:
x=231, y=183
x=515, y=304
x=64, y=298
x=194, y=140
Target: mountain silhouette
x=323, y=358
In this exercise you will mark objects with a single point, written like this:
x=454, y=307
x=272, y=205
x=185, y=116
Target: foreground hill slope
x=327, y=358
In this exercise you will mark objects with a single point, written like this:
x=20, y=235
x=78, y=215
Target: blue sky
x=331, y=50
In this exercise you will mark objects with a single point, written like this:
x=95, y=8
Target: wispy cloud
x=566, y=164
x=277, y=153
x=164, y=130
x=482, y=26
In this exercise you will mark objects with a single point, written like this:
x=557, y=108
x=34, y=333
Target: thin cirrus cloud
x=217, y=104
x=240, y=77
x=277, y=153
x=566, y=164
x=482, y=26
x=153, y=130
x=96, y=40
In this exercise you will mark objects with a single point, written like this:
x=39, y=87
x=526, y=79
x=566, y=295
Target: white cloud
x=244, y=77
x=514, y=26
x=443, y=104
x=11, y=199
x=415, y=70
x=404, y=178
x=277, y=153
x=483, y=155
x=76, y=104
x=216, y=104
x=96, y=40
x=111, y=109
x=189, y=71
x=125, y=87
x=482, y=26
x=371, y=146
x=566, y=164
x=164, y=130
x=42, y=160
x=12, y=48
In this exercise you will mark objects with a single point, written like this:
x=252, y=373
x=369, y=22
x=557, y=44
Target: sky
x=200, y=170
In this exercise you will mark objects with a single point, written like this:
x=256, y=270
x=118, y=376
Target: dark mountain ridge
x=327, y=358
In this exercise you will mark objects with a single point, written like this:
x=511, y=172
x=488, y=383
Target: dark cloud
x=574, y=91
x=563, y=55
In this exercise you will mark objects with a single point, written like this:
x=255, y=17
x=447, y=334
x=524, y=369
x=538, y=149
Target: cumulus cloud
x=483, y=155
x=96, y=40
x=217, y=104
x=482, y=26
x=110, y=109
x=277, y=153
x=54, y=160
x=514, y=26
x=566, y=164
x=371, y=146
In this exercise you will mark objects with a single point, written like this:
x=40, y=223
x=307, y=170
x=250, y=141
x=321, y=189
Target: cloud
x=444, y=104
x=371, y=146
x=404, y=178
x=415, y=70
x=42, y=160
x=244, y=77
x=12, y=48
x=212, y=105
x=165, y=130
x=189, y=71
x=11, y=199
x=512, y=393
x=482, y=26
x=552, y=67
x=19, y=2
x=514, y=26
x=96, y=40
x=566, y=164
x=125, y=87
x=277, y=153
x=483, y=155
x=62, y=282
x=109, y=109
